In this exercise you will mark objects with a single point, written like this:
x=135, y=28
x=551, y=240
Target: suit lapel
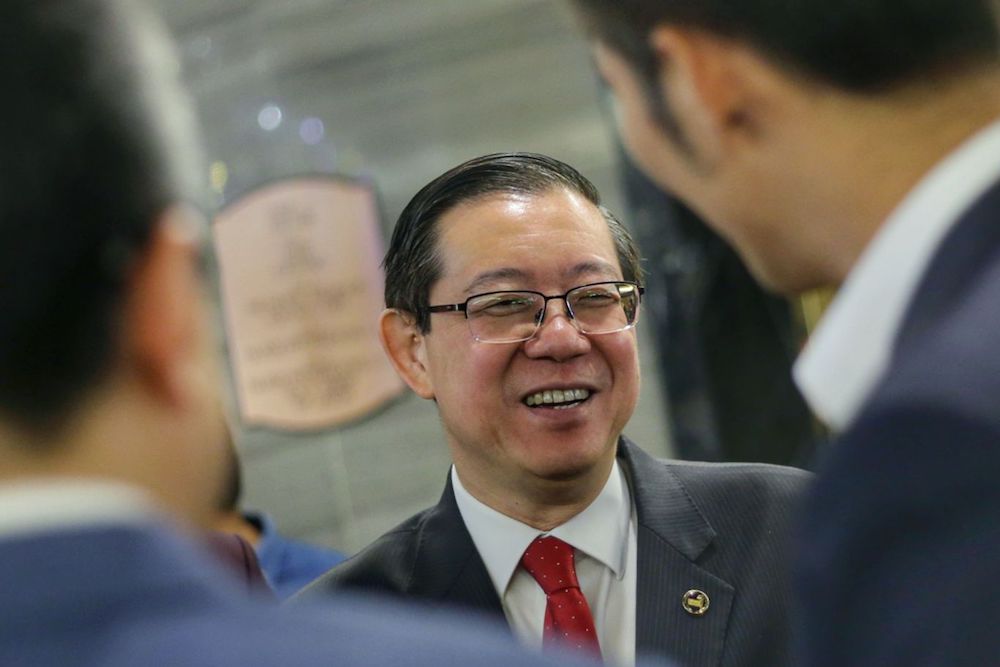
x=672, y=535
x=447, y=566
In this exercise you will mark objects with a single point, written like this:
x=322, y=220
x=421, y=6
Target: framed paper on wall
x=299, y=262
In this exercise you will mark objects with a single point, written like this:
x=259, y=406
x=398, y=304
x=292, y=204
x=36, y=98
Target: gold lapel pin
x=695, y=602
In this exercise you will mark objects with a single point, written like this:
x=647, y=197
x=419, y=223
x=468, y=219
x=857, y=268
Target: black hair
x=96, y=142
x=862, y=46
x=412, y=264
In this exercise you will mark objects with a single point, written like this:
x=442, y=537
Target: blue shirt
x=289, y=564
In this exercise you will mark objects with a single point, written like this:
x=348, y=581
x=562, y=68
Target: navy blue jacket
x=901, y=538
x=130, y=596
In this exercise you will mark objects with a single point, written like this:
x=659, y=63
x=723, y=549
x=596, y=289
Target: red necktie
x=568, y=621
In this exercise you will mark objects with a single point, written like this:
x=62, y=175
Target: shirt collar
x=600, y=531
x=57, y=503
x=850, y=349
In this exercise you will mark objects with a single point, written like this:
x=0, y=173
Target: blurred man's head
x=735, y=106
x=532, y=397
x=102, y=334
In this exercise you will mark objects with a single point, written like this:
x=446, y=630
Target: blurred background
x=398, y=91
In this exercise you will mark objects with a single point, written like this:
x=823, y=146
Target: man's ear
x=406, y=348
x=164, y=315
x=706, y=82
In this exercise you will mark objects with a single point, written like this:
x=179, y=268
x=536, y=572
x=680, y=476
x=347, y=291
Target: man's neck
x=856, y=158
x=540, y=503
x=112, y=434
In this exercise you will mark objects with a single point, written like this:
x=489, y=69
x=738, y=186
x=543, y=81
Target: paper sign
x=302, y=292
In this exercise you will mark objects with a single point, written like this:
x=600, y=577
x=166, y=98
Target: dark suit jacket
x=718, y=528
x=131, y=596
x=901, y=541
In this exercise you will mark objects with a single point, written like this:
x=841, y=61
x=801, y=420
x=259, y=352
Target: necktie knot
x=552, y=564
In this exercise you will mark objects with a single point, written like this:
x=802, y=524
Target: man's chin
x=782, y=274
x=570, y=469
x=566, y=474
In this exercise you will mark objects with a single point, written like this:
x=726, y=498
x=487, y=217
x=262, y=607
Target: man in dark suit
x=512, y=298
x=109, y=427
x=855, y=144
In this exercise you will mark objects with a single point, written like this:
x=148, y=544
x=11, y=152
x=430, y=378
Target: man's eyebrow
x=588, y=268
x=487, y=277
x=591, y=267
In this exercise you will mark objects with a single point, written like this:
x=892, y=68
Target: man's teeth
x=556, y=396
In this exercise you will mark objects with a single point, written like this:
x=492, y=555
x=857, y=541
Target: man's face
x=550, y=243
x=725, y=179
x=657, y=154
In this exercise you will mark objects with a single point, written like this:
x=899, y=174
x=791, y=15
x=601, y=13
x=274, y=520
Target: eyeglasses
x=511, y=317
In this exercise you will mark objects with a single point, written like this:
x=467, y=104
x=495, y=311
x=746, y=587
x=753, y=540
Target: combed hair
x=412, y=263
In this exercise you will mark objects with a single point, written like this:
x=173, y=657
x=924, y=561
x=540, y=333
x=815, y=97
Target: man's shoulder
x=171, y=605
x=725, y=476
x=345, y=631
x=384, y=566
x=722, y=493
x=738, y=491
x=742, y=507
x=947, y=344
x=953, y=362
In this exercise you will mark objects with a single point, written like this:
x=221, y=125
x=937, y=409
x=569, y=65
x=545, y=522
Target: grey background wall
x=404, y=89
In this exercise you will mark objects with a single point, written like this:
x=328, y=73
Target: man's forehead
x=520, y=239
x=511, y=220
x=534, y=206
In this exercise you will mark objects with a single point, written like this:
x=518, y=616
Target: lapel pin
x=695, y=602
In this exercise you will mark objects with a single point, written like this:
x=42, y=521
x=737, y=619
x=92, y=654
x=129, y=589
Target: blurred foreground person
x=855, y=143
x=109, y=430
x=512, y=301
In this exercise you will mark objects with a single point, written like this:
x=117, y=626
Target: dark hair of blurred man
x=512, y=297
x=103, y=342
x=856, y=144
x=110, y=435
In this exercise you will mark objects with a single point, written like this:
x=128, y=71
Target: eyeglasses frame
x=463, y=308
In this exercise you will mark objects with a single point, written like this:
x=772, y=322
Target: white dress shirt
x=850, y=349
x=604, y=535
x=58, y=503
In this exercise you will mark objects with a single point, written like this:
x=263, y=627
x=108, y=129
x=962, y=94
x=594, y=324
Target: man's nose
x=558, y=336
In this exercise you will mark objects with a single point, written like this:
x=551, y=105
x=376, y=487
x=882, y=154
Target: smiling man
x=512, y=301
